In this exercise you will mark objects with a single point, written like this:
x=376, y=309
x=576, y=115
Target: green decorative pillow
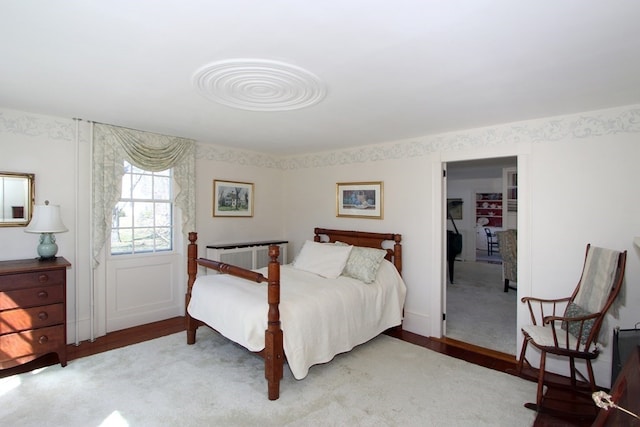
x=574, y=310
x=363, y=263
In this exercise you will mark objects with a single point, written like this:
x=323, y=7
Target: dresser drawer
x=31, y=297
x=28, y=280
x=35, y=342
x=21, y=319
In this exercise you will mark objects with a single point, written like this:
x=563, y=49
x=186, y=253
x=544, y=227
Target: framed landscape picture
x=359, y=199
x=232, y=199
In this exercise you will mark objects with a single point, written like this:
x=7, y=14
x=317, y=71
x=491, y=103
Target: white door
x=144, y=280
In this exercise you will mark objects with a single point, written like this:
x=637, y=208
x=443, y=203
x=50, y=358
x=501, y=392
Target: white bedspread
x=320, y=317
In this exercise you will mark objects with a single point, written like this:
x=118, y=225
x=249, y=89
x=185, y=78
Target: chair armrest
x=551, y=320
x=534, y=299
x=539, y=308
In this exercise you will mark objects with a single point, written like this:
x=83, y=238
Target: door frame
x=438, y=271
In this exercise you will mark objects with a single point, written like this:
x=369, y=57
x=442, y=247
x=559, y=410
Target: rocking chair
x=573, y=334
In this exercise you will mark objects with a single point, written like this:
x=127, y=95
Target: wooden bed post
x=397, y=252
x=192, y=272
x=273, y=346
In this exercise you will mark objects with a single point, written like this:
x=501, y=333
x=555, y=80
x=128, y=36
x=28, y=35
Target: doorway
x=478, y=311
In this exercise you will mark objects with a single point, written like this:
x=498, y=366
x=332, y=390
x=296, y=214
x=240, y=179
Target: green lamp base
x=47, y=249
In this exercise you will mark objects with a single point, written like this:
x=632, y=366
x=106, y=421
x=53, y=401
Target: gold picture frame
x=17, y=198
x=232, y=198
x=360, y=199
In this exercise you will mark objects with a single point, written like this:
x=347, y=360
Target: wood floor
x=477, y=355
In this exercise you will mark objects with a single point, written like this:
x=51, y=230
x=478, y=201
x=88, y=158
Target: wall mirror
x=16, y=198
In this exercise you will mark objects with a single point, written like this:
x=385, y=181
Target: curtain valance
x=112, y=145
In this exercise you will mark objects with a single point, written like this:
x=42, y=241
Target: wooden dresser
x=625, y=392
x=32, y=310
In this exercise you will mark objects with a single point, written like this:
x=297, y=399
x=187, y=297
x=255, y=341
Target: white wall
x=213, y=162
x=577, y=176
x=47, y=147
x=577, y=185
x=585, y=193
x=407, y=210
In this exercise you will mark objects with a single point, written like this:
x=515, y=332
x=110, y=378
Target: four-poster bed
x=321, y=315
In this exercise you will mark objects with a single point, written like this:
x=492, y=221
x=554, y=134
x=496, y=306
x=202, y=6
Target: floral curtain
x=149, y=151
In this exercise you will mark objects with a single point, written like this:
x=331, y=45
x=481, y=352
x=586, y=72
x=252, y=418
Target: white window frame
x=142, y=253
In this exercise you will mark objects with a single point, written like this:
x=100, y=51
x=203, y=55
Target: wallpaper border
x=583, y=125
x=33, y=125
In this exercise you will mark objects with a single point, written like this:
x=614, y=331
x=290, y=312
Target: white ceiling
x=391, y=69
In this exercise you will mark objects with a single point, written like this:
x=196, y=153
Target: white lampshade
x=46, y=219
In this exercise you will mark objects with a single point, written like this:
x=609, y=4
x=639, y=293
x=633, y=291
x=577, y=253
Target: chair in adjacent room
x=575, y=333
x=508, y=243
x=492, y=243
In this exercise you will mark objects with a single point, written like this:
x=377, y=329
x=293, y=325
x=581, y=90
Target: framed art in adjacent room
x=232, y=198
x=359, y=199
x=454, y=208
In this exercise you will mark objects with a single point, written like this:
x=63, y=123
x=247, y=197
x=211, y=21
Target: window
x=142, y=221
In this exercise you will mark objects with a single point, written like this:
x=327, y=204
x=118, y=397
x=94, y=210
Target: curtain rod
x=132, y=129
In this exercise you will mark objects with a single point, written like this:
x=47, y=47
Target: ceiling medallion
x=259, y=85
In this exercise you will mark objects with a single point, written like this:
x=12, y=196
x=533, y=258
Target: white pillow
x=322, y=259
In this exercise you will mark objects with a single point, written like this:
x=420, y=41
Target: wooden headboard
x=363, y=238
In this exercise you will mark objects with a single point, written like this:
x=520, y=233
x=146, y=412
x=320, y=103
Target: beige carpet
x=164, y=382
x=478, y=310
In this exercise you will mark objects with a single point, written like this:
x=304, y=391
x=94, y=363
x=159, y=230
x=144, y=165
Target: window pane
x=163, y=215
x=126, y=186
x=163, y=238
x=143, y=239
x=135, y=169
x=142, y=187
x=142, y=220
x=122, y=215
x=161, y=188
x=121, y=241
x=143, y=214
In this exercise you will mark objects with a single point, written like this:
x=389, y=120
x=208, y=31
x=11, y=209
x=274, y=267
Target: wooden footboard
x=273, y=352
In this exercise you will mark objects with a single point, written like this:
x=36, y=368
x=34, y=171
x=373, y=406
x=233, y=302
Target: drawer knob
x=43, y=339
x=43, y=278
x=43, y=315
x=43, y=294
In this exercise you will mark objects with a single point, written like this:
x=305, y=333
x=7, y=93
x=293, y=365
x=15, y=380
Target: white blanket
x=320, y=317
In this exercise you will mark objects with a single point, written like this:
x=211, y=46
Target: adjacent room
x=482, y=202
x=329, y=213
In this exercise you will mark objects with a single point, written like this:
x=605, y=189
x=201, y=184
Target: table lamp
x=46, y=220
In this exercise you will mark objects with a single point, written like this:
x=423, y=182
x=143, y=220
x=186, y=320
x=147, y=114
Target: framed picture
x=233, y=199
x=454, y=207
x=359, y=199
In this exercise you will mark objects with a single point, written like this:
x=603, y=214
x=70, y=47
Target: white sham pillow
x=322, y=259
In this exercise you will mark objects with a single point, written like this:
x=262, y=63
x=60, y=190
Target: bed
x=322, y=304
